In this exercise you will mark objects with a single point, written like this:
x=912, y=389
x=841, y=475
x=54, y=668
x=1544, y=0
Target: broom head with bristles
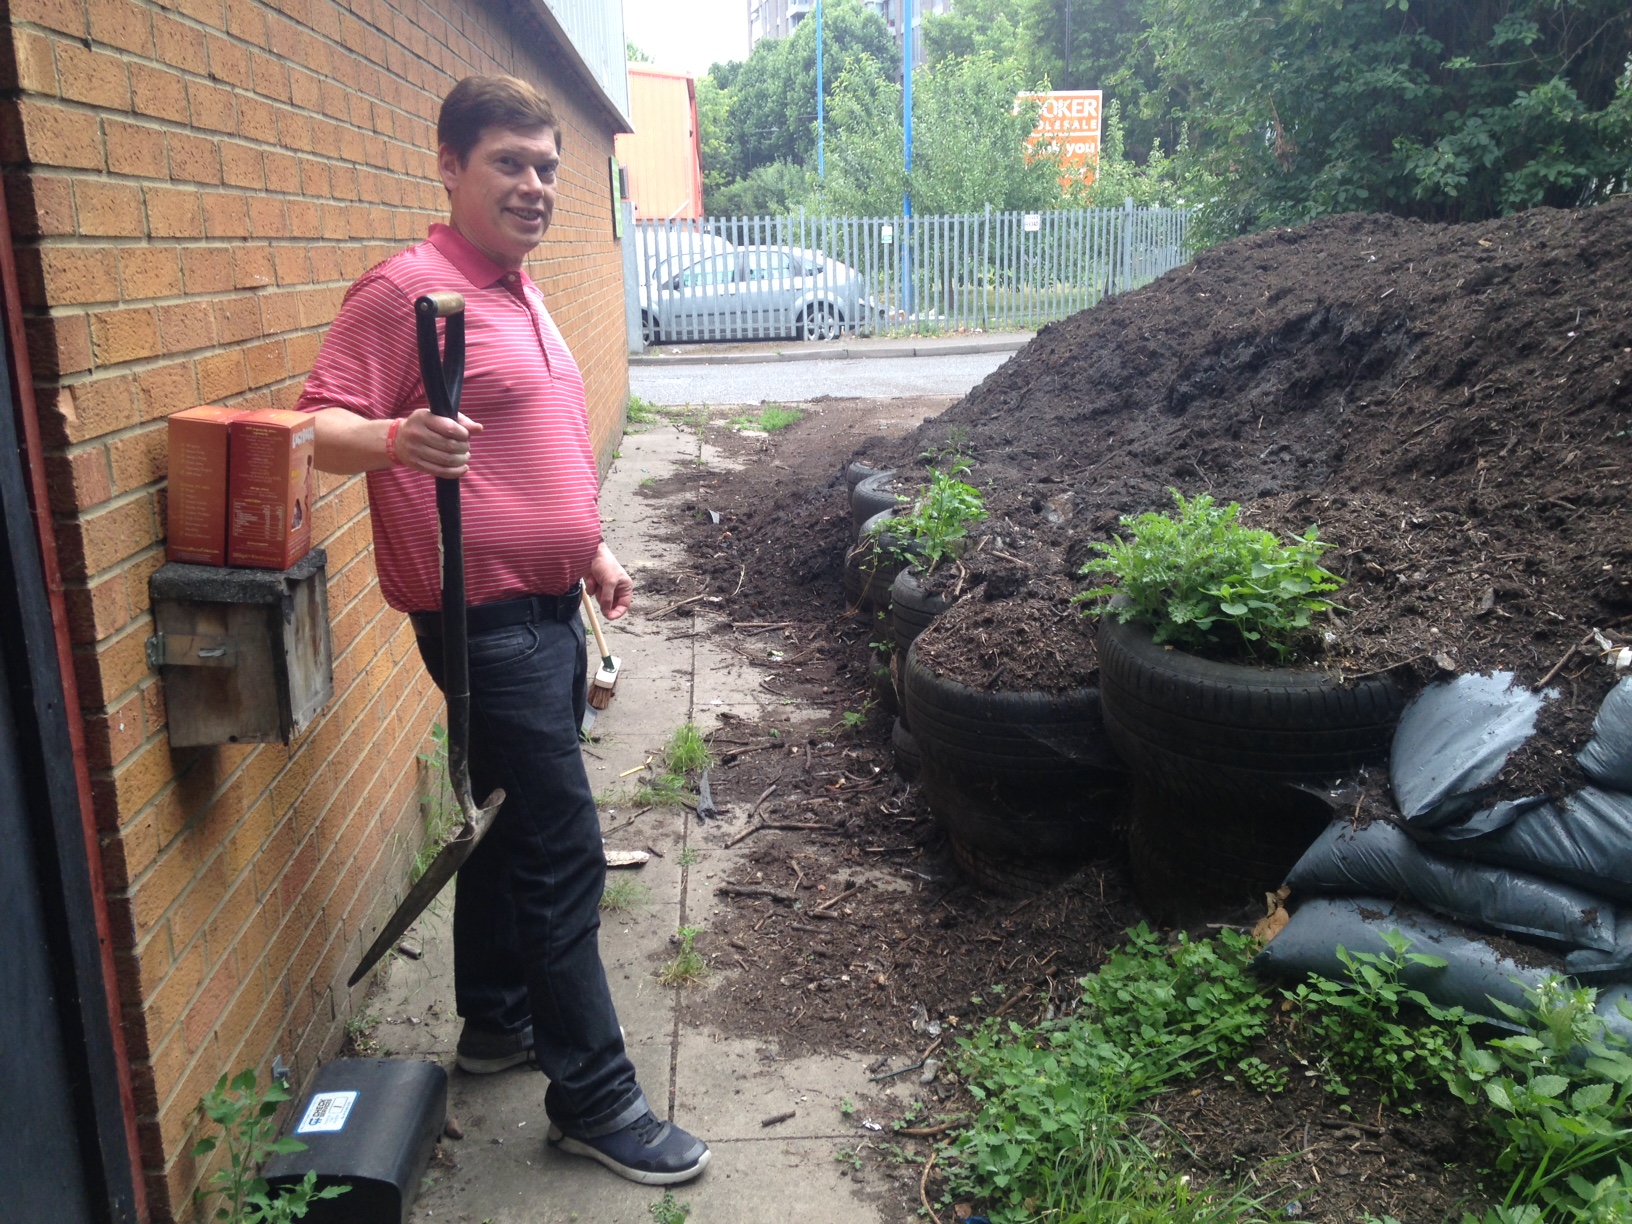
x=603, y=685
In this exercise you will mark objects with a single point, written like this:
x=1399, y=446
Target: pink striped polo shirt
x=531, y=522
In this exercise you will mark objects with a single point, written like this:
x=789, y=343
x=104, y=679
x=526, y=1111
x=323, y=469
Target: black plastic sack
x=1380, y=860
x=1452, y=742
x=1584, y=839
x=1473, y=974
x=1607, y=758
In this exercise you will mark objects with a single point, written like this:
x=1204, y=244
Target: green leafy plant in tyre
x=1202, y=580
x=941, y=515
x=249, y=1134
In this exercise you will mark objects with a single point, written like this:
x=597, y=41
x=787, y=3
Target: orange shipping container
x=664, y=156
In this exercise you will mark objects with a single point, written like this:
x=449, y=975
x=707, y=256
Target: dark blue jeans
x=526, y=914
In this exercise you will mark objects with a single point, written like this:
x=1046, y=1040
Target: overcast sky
x=688, y=35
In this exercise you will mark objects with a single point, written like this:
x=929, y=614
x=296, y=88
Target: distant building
x=664, y=156
x=779, y=18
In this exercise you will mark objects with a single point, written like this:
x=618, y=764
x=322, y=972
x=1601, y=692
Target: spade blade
x=442, y=869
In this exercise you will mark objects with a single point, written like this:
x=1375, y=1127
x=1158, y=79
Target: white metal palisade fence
x=810, y=277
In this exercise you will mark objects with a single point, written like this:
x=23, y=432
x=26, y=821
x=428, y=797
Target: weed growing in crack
x=689, y=856
x=688, y=965
x=687, y=751
x=623, y=896
x=245, y=1116
x=667, y=1211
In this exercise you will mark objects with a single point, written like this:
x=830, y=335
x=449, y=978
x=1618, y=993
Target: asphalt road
x=782, y=382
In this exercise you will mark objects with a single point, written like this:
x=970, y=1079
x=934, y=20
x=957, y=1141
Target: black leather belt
x=525, y=610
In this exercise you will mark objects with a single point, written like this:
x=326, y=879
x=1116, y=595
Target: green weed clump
x=643, y=412
x=688, y=752
x=439, y=811
x=1202, y=580
x=667, y=1210
x=245, y=1116
x=771, y=419
x=688, y=965
x=1375, y=1028
x=1053, y=1096
x=623, y=896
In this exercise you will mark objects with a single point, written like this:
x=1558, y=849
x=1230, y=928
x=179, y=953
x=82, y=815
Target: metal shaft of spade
x=444, y=375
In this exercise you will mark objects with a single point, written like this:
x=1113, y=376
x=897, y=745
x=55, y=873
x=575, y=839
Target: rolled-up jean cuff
x=616, y=1121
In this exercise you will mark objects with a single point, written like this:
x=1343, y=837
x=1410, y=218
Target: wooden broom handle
x=594, y=623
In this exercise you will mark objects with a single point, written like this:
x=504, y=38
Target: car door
x=770, y=286
x=699, y=296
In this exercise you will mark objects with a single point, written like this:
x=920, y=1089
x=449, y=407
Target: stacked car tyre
x=870, y=496
x=1025, y=783
x=912, y=608
x=873, y=562
x=1229, y=762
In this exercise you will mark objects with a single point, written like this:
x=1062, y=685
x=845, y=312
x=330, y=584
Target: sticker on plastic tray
x=327, y=1113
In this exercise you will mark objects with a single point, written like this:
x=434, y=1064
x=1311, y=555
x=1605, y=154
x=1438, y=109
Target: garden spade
x=444, y=377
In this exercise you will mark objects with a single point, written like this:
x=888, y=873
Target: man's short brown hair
x=479, y=102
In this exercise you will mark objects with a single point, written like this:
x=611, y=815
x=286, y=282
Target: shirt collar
x=470, y=263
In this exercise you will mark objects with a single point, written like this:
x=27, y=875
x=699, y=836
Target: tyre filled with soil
x=1228, y=760
x=1016, y=768
x=912, y=608
x=871, y=565
x=871, y=495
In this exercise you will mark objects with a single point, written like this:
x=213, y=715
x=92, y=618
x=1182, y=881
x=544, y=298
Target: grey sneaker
x=648, y=1150
x=483, y=1052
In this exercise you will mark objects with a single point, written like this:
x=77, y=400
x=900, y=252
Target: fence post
x=1127, y=244
x=634, y=276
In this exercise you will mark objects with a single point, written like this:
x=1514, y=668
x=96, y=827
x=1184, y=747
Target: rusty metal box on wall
x=245, y=653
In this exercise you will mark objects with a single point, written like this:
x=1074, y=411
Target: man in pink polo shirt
x=527, y=965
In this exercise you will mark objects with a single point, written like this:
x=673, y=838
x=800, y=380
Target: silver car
x=755, y=293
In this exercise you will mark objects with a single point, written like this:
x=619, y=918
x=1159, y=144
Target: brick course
x=192, y=186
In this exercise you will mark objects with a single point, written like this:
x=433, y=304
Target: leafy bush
x=1186, y=576
x=1565, y=1120
x=1371, y=1026
x=941, y=515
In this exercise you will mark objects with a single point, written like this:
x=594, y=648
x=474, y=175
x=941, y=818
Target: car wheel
x=648, y=330
x=819, y=322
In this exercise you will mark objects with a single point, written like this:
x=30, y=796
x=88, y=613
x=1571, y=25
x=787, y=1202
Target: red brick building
x=191, y=185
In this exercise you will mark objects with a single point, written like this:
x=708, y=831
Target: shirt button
x=512, y=278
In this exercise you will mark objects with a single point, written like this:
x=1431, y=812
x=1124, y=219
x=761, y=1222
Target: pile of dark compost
x=1449, y=404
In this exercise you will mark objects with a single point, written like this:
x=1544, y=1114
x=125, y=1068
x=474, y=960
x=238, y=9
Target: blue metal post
x=906, y=102
x=821, y=102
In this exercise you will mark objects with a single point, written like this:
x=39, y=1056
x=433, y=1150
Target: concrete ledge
x=922, y=348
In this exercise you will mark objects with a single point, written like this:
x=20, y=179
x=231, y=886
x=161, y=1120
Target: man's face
x=503, y=196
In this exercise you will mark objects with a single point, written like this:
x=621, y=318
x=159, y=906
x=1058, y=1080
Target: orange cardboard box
x=273, y=481
x=197, y=530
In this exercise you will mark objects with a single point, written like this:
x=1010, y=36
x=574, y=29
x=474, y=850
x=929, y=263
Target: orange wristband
x=391, y=440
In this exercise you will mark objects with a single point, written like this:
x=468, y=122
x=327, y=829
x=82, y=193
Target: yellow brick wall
x=192, y=186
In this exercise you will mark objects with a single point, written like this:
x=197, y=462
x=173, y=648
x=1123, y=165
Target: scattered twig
x=734, y=890
x=781, y=826
x=926, y=1132
x=832, y=901
x=923, y=1186
x=774, y=1119
x=617, y=827
x=681, y=604
x=760, y=802
x=1559, y=666
x=727, y=758
x=626, y=773
x=762, y=624
x=889, y=1075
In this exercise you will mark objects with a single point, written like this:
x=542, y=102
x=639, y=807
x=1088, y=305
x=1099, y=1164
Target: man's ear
x=450, y=166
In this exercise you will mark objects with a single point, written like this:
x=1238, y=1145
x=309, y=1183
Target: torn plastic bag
x=1607, y=758
x=1452, y=742
x=1473, y=974
x=1585, y=840
x=1380, y=860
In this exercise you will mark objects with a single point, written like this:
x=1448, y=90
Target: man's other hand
x=435, y=445
x=609, y=584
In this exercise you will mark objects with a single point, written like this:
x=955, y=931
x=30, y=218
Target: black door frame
x=68, y=880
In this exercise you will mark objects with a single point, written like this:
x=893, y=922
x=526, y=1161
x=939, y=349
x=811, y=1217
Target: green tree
x=634, y=54
x=973, y=27
x=969, y=141
x=1447, y=112
x=772, y=112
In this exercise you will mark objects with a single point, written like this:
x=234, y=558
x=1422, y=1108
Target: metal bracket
x=191, y=650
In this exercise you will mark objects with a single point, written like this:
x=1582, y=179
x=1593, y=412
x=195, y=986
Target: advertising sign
x=1068, y=122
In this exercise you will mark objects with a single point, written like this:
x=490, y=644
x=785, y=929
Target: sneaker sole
x=568, y=1144
x=492, y=1066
